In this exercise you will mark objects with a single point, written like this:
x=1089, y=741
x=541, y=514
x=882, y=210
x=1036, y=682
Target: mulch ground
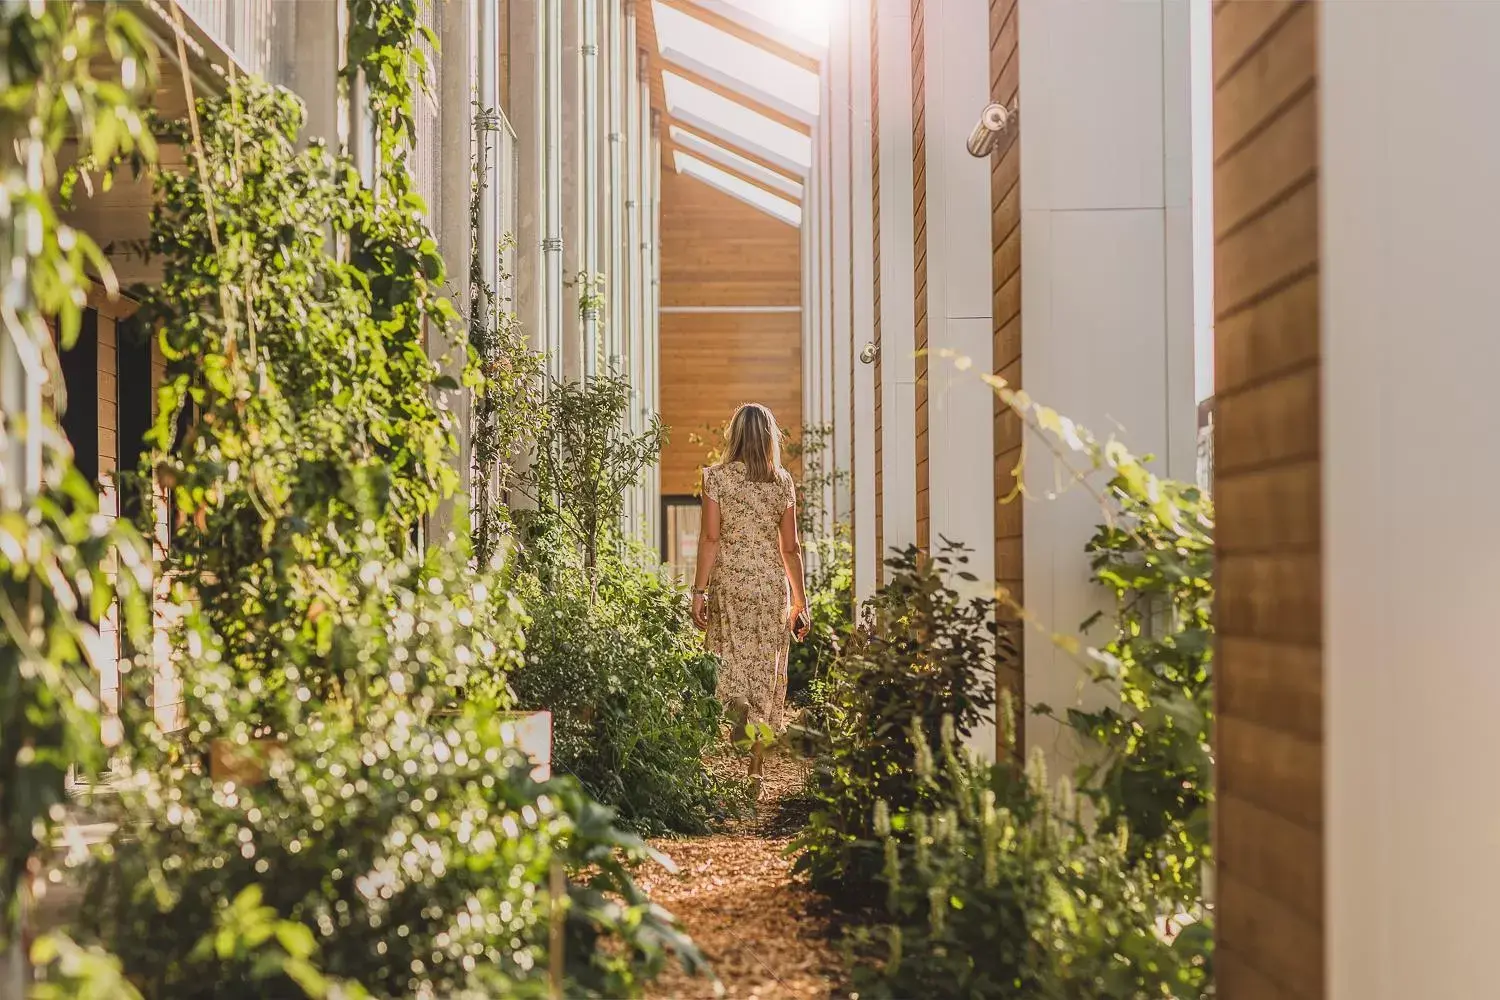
x=763, y=931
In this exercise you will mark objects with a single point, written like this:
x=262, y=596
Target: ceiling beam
x=755, y=158
x=733, y=27
x=670, y=147
x=765, y=27
x=739, y=97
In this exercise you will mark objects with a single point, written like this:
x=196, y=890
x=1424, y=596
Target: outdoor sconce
x=994, y=122
x=869, y=353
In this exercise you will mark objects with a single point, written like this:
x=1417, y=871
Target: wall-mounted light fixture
x=869, y=353
x=995, y=121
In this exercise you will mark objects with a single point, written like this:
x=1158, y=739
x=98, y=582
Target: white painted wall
x=1107, y=285
x=861, y=193
x=897, y=290
x=1410, y=208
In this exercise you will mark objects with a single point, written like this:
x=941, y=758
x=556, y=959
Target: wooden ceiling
x=645, y=21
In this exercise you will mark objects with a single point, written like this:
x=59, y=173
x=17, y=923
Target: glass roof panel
x=706, y=111
x=740, y=188
x=735, y=63
x=734, y=161
x=805, y=21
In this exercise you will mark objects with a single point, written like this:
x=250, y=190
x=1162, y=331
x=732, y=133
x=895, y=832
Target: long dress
x=748, y=597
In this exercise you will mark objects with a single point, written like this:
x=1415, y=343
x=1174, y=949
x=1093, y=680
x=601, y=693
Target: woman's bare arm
x=708, y=554
x=791, y=558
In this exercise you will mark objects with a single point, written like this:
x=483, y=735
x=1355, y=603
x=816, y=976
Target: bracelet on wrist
x=699, y=592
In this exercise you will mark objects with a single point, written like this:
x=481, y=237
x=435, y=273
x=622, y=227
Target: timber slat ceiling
x=744, y=94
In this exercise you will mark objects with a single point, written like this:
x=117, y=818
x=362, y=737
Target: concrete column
x=554, y=225
x=862, y=266
x=575, y=205
x=1409, y=209
x=653, y=353
x=836, y=114
x=1106, y=272
x=897, y=280
x=823, y=150
x=614, y=261
x=457, y=42
x=527, y=89
x=960, y=407
x=643, y=254
x=306, y=58
x=593, y=215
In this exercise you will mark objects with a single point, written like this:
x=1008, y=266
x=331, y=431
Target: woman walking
x=747, y=592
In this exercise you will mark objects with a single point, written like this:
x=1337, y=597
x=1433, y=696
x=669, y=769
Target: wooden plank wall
x=874, y=84
x=719, y=252
x=919, y=229
x=1005, y=231
x=1269, y=826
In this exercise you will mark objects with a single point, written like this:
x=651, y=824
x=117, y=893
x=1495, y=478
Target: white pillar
x=898, y=373
x=823, y=150
x=836, y=115
x=551, y=53
x=528, y=97
x=593, y=215
x=862, y=263
x=960, y=406
x=575, y=195
x=643, y=286
x=1106, y=244
x=615, y=264
x=456, y=78
x=1409, y=211
x=653, y=353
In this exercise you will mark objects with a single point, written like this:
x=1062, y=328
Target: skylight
x=736, y=124
x=735, y=162
x=738, y=187
x=737, y=64
x=799, y=24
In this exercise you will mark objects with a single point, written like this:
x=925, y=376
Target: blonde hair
x=755, y=440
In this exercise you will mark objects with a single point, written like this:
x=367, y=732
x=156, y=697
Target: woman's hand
x=800, y=624
x=700, y=611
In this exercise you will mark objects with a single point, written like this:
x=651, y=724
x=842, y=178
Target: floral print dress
x=749, y=601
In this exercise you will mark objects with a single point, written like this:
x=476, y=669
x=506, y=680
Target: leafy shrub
x=631, y=691
x=419, y=856
x=930, y=654
x=1000, y=888
x=61, y=564
x=830, y=609
x=1152, y=767
x=1155, y=771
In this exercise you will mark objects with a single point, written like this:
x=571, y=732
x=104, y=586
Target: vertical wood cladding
x=874, y=84
x=919, y=229
x=717, y=252
x=1269, y=743
x=1005, y=232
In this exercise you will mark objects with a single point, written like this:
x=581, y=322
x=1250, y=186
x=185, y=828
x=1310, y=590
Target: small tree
x=585, y=457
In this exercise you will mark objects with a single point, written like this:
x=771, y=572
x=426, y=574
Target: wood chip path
x=763, y=931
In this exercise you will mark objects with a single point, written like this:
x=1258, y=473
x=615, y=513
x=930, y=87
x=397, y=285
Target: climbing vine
x=508, y=398
x=56, y=552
